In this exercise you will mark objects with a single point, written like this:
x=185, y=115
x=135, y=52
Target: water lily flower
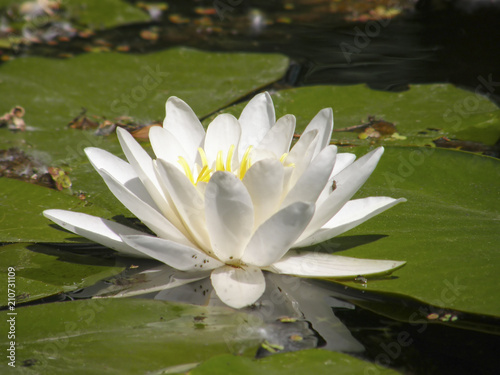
x=236, y=200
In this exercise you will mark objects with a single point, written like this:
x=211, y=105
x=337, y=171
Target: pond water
x=440, y=42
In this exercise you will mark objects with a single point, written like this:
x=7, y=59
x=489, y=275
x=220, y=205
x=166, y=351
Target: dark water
x=428, y=42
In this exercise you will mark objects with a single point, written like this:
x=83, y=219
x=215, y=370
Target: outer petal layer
x=313, y=264
x=184, y=258
x=238, y=287
x=94, y=228
x=147, y=214
x=352, y=214
x=122, y=171
x=347, y=184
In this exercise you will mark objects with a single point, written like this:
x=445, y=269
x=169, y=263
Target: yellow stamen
x=204, y=174
x=219, y=164
x=229, y=158
x=245, y=162
x=186, y=168
x=203, y=156
x=283, y=160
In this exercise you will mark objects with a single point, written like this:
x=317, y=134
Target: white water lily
x=235, y=199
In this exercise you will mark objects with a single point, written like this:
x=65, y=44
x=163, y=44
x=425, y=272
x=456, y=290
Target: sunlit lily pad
x=42, y=271
x=447, y=231
x=98, y=14
x=21, y=207
x=125, y=336
x=420, y=115
x=111, y=85
x=313, y=361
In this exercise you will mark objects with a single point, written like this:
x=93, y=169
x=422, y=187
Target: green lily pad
x=111, y=85
x=421, y=114
x=311, y=361
x=114, y=84
x=129, y=336
x=21, y=207
x=447, y=231
x=99, y=14
x=93, y=13
x=42, y=271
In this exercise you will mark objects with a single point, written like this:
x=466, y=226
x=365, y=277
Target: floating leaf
x=42, y=271
x=447, y=231
x=421, y=114
x=21, y=207
x=53, y=92
x=99, y=14
x=129, y=336
x=311, y=361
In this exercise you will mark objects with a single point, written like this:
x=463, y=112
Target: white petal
x=353, y=213
x=323, y=122
x=276, y=235
x=187, y=201
x=182, y=122
x=315, y=264
x=143, y=165
x=238, y=287
x=94, y=228
x=229, y=215
x=120, y=170
x=166, y=146
x=278, y=139
x=311, y=183
x=347, y=184
x=138, y=159
x=301, y=155
x=222, y=133
x=148, y=215
x=264, y=182
x=342, y=161
x=178, y=256
x=256, y=119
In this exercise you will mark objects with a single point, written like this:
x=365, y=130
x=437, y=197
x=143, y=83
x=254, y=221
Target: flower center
x=205, y=171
